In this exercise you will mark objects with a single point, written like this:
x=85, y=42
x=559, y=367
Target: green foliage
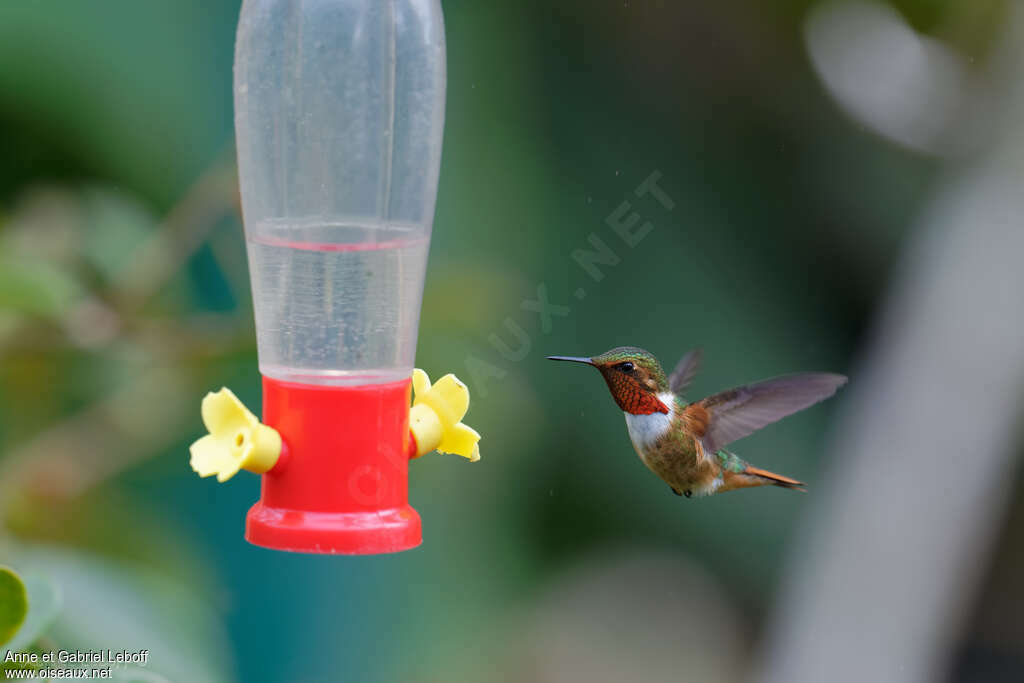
x=13, y=603
x=115, y=227
x=34, y=287
x=44, y=601
x=116, y=605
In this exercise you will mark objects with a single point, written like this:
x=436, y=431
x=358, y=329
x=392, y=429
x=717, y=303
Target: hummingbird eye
x=626, y=367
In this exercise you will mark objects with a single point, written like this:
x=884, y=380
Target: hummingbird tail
x=755, y=476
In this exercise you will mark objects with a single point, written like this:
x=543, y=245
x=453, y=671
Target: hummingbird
x=684, y=443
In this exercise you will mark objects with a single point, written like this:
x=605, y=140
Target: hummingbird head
x=634, y=377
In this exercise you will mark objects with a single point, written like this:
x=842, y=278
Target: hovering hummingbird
x=684, y=443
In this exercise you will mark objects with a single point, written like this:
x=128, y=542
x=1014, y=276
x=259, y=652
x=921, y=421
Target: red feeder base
x=339, y=533
x=341, y=485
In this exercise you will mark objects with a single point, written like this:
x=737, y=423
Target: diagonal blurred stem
x=108, y=436
x=892, y=551
x=156, y=407
x=147, y=415
x=213, y=196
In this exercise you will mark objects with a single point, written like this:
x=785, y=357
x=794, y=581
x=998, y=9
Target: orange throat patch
x=633, y=398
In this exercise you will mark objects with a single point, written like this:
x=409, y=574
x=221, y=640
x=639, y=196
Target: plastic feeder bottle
x=339, y=110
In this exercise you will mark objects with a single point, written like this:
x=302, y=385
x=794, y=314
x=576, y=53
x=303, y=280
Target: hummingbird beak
x=572, y=359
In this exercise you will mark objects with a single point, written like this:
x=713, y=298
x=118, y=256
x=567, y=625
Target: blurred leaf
x=107, y=521
x=13, y=603
x=116, y=227
x=123, y=607
x=44, y=603
x=36, y=287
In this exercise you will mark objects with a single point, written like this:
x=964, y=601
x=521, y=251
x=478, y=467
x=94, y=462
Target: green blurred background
x=124, y=297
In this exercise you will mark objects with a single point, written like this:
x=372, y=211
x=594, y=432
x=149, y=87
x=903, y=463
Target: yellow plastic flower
x=435, y=417
x=237, y=440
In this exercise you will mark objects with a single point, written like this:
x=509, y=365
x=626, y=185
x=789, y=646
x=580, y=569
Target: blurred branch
x=157, y=407
x=103, y=439
x=211, y=197
x=893, y=549
x=95, y=318
x=141, y=419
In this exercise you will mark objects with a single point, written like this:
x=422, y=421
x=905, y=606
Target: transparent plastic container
x=339, y=111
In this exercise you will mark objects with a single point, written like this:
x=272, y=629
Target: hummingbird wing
x=686, y=370
x=737, y=412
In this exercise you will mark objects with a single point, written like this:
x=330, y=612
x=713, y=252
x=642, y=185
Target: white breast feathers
x=644, y=430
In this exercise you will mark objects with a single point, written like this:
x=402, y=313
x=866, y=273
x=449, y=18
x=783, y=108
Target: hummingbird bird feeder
x=339, y=111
